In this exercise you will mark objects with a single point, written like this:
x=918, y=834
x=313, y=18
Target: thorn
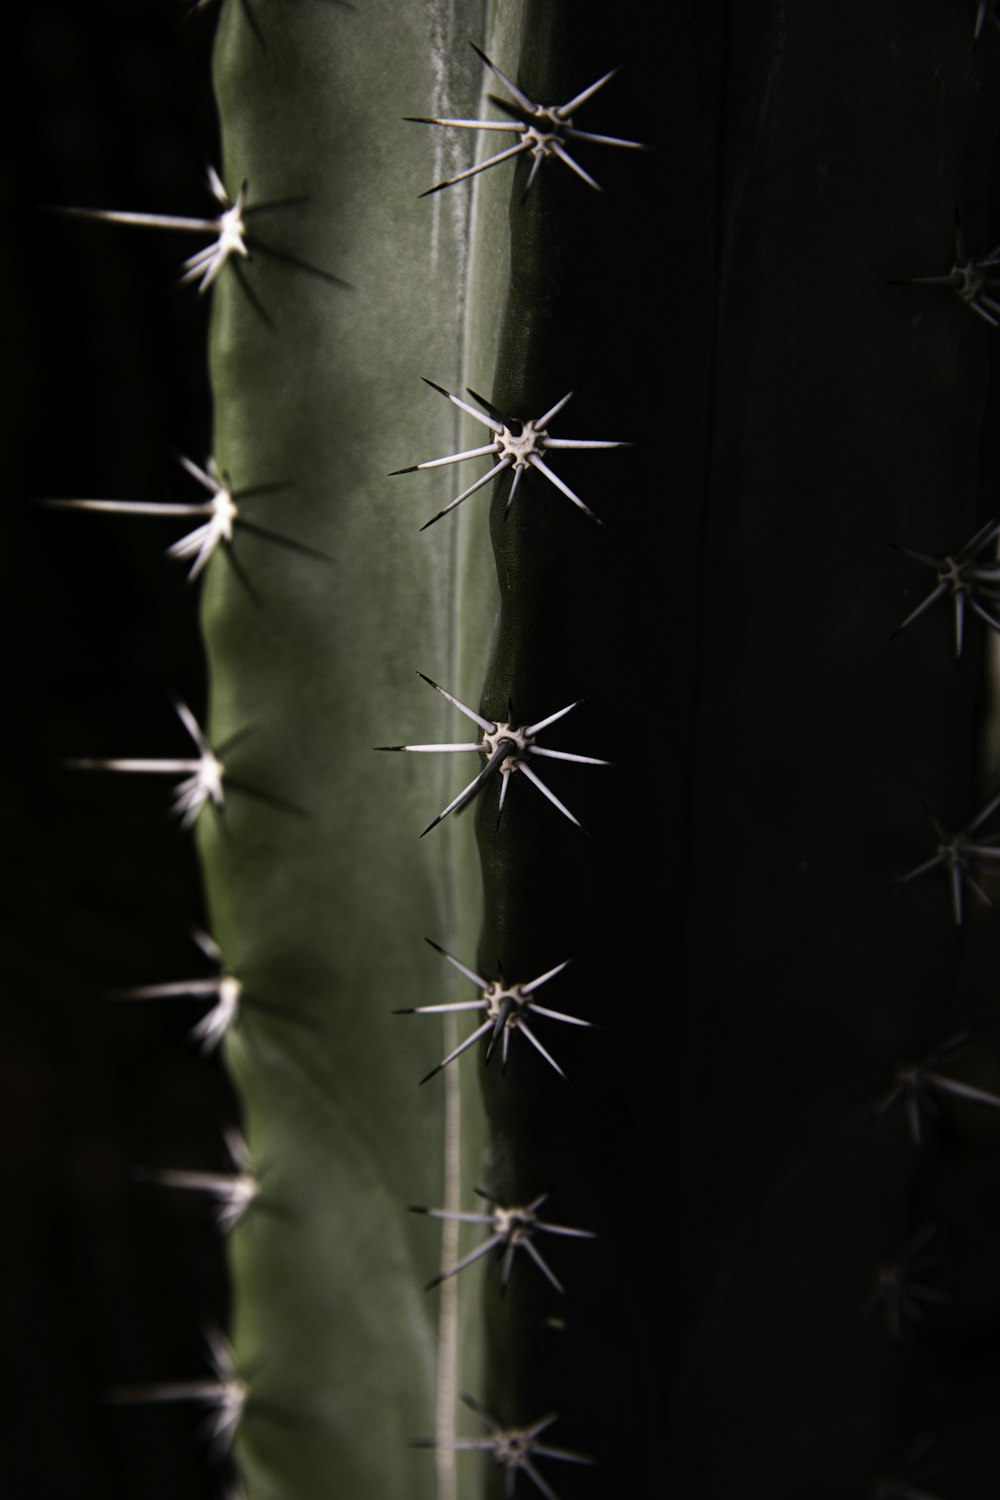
x=507, y=749
x=504, y=1007
x=519, y=443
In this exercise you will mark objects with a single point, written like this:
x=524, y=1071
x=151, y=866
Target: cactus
x=746, y=1140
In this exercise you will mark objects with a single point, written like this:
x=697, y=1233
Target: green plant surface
x=323, y=911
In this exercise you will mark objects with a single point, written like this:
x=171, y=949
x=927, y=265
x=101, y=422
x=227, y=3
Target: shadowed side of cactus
x=594, y=612
x=821, y=1023
x=846, y=416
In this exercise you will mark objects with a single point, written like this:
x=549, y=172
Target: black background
x=109, y=1280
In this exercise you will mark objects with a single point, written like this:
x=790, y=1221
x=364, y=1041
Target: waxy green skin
x=323, y=912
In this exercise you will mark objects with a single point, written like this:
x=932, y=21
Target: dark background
x=109, y=1280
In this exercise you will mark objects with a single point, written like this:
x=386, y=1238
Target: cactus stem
x=960, y=576
x=507, y=748
x=519, y=442
x=505, y=1007
x=957, y=856
x=226, y=1393
x=543, y=130
x=513, y=1448
x=234, y=1192
x=512, y=1227
x=248, y=11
